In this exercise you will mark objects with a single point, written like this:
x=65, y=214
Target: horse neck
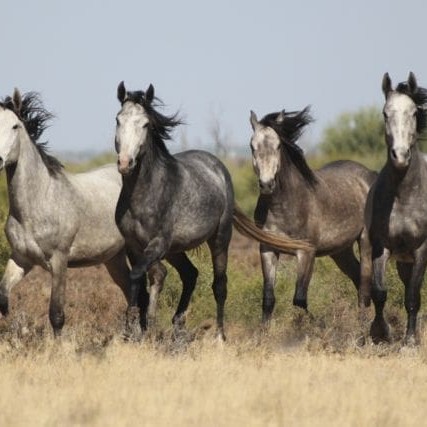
x=410, y=177
x=150, y=172
x=26, y=177
x=290, y=184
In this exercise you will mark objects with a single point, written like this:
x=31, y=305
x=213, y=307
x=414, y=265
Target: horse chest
x=405, y=230
x=29, y=241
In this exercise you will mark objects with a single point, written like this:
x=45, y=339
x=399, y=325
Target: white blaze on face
x=265, y=144
x=10, y=128
x=400, y=127
x=131, y=133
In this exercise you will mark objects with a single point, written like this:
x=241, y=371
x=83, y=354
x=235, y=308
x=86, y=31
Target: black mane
x=160, y=126
x=419, y=96
x=35, y=119
x=289, y=126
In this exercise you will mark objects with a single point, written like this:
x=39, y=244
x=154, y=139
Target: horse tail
x=284, y=244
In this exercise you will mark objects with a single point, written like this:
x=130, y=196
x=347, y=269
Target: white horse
x=57, y=219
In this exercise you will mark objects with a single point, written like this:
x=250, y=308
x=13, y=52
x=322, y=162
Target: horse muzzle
x=400, y=157
x=125, y=165
x=267, y=187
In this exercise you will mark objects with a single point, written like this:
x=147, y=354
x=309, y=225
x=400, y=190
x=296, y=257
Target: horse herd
x=160, y=205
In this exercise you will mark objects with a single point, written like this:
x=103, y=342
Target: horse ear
x=412, y=82
x=121, y=92
x=280, y=117
x=254, y=120
x=17, y=100
x=149, y=94
x=386, y=85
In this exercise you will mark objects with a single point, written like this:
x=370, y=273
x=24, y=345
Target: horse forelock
x=35, y=119
x=161, y=126
x=289, y=127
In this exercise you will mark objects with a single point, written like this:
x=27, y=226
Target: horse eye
x=14, y=127
x=117, y=122
x=385, y=115
x=145, y=125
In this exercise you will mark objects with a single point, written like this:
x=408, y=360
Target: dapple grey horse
x=324, y=207
x=396, y=210
x=170, y=204
x=56, y=219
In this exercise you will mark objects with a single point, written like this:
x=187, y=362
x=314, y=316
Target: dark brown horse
x=324, y=207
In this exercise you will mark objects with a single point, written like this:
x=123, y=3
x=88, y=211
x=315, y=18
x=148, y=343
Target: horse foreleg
x=380, y=331
x=269, y=260
x=13, y=274
x=412, y=293
x=305, y=260
x=156, y=277
x=138, y=298
x=58, y=269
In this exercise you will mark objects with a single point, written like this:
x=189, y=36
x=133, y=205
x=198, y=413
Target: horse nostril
x=393, y=153
x=266, y=186
x=131, y=161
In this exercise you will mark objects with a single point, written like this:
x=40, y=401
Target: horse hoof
x=4, y=305
x=300, y=303
x=410, y=341
x=380, y=332
x=360, y=341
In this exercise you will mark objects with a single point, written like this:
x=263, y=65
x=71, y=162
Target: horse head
x=10, y=128
x=132, y=124
x=265, y=147
x=403, y=117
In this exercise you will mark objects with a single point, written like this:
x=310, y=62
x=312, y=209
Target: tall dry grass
x=245, y=382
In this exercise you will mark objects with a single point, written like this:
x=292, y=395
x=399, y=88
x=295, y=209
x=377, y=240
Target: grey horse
x=171, y=204
x=396, y=210
x=324, y=207
x=56, y=219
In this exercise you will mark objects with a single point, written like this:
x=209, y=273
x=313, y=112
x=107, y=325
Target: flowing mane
x=289, y=126
x=35, y=119
x=160, y=126
x=419, y=96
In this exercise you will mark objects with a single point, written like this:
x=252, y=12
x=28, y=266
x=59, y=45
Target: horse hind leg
x=188, y=274
x=218, y=246
x=347, y=262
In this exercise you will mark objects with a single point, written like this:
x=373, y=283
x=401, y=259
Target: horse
x=396, y=209
x=170, y=204
x=324, y=207
x=56, y=219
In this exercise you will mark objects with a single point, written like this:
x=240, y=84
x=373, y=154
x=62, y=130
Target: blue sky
x=207, y=59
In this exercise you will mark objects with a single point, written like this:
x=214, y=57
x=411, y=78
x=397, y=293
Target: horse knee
x=157, y=275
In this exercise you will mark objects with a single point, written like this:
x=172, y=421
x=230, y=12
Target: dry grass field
x=303, y=371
